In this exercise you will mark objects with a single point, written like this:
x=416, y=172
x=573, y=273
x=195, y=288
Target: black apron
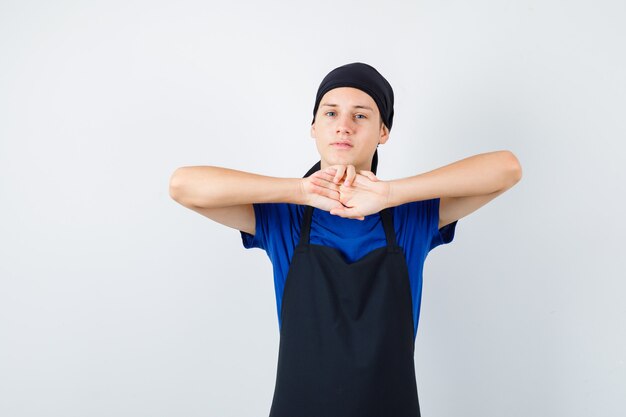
x=346, y=338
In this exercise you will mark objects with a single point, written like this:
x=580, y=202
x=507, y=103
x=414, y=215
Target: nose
x=345, y=124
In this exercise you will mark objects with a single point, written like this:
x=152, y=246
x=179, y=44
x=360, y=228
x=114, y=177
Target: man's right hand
x=320, y=191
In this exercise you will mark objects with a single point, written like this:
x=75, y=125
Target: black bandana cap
x=366, y=78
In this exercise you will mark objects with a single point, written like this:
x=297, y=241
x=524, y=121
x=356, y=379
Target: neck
x=365, y=167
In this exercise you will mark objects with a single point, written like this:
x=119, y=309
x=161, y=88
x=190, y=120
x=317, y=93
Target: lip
x=341, y=144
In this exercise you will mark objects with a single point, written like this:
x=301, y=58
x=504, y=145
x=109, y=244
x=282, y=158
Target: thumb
x=346, y=212
x=369, y=174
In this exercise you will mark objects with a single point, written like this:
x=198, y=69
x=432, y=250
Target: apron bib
x=346, y=339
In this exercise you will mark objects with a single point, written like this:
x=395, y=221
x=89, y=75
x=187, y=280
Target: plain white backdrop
x=117, y=301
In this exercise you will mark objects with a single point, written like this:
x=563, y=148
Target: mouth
x=342, y=144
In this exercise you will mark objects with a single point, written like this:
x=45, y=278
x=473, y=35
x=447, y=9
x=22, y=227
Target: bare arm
x=463, y=186
x=480, y=174
x=226, y=195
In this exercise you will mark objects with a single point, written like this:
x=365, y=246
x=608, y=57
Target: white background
x=117, y=301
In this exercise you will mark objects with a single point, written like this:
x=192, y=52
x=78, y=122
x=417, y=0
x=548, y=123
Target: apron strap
x=306, y=226
x=386, y=216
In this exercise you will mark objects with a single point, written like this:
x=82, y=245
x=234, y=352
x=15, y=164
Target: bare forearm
x=476, y=175
x=210, y=187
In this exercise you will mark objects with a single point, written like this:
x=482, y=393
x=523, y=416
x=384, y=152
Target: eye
x=328, y=112
x=363, y=116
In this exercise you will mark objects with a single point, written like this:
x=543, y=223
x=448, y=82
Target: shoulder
x=420, y=220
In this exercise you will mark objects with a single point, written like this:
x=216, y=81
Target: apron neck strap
x=385, y=215
x=306, y=225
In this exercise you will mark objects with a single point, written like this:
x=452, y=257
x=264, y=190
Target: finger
x=329, y=170
x=323, y=175
x=346, y=212
x=341, y=169
x=326, y=192
x=350, y=174
x=338, y=211
x=370, y=175
x=325, y=183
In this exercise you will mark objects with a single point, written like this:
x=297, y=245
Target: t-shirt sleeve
x=259, y=239
x=439, y=236
x=273, y=232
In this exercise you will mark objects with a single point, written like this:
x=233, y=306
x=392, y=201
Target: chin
x=340, y=161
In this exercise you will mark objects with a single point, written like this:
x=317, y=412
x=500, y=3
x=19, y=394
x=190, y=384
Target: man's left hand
x=361, y=194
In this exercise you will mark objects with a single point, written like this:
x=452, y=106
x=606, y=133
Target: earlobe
x=384, y=134
x=313, y=130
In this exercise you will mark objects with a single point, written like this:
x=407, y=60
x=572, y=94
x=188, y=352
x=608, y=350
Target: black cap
x=364, y=77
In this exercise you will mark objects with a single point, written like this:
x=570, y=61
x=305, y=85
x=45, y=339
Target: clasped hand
x=340, y=190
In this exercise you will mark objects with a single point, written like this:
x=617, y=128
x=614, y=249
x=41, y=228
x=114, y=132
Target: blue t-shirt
x=278, y=232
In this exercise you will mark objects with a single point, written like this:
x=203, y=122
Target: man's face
x=347, y=128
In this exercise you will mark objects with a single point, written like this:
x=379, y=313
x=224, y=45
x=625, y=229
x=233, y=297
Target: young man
x=347, y=249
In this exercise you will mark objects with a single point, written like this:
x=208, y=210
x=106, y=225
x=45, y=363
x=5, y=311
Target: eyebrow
x=355, y=107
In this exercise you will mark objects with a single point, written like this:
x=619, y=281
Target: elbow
x=193, y=187
x=513, y=170
x=177, y=183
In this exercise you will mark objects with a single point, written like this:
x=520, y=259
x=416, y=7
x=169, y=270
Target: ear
x=384, y=134
x=313, y=130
